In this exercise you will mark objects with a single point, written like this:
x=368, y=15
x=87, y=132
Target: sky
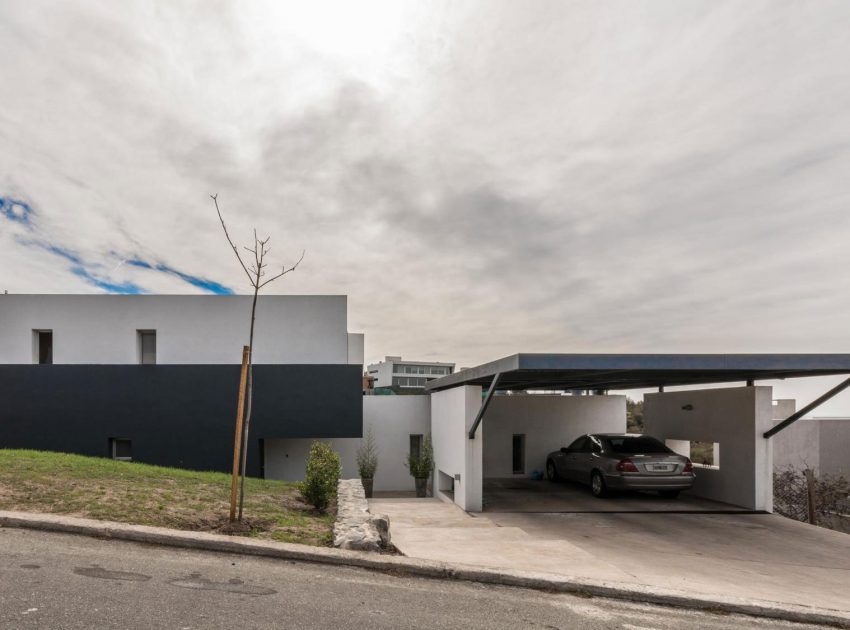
x=480, y=178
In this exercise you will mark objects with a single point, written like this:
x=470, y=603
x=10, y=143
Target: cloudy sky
x=480, y=178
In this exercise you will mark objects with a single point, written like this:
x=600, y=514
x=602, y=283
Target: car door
x=583, y=461
x=571, y=458
x=588, y=459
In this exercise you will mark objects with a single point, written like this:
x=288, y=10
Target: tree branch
x=229, y=240
x=285, y=271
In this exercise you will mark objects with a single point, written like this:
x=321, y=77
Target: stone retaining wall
x=356, y=527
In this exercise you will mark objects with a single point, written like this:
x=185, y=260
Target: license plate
x=660, y=467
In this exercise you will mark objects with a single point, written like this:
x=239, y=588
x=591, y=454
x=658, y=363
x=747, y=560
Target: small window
x=705, y=454
x=121, y=449
x=43, y=347
x=147, y=347
x=416, y=445
x=519, y=454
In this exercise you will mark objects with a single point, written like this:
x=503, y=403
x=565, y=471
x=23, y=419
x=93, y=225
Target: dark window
x=45, y=347
x=416, y=445
x=147, y=347
x=636, y=445
x=519, y=453
x=578, y=445
x=120, y=448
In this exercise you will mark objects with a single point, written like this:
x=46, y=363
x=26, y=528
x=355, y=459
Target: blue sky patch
x=210, y=286
x=16, y=210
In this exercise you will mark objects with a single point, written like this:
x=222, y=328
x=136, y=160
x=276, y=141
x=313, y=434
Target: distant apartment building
x=410, y=376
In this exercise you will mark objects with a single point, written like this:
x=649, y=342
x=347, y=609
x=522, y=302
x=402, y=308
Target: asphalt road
x=62, y=581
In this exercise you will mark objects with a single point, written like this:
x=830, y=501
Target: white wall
x=834, y=446
x=735, y=418
x=548, y=423
x=393, y=419
x=356, y=345
x=382, y=373
x=452, y=413
x=821, y=444
x=101, y=329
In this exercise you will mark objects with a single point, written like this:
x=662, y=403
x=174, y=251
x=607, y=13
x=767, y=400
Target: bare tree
x=256, y=272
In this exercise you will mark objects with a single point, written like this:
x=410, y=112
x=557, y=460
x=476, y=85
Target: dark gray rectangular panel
x=175, y=415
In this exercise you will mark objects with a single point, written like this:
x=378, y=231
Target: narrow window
x=44, y=346
x=121, y=449
x=416, y=445
x=147, y=347
x=519, y=453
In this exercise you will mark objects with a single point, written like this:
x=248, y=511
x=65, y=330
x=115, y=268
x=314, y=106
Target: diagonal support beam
x=812, y=405
x=484, y=405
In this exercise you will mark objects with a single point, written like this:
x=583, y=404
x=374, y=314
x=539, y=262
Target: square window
x=121, y=449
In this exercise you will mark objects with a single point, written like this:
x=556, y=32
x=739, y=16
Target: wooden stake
x=237, y=438
x=810, y=494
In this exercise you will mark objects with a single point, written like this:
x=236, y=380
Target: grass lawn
x=130, y=492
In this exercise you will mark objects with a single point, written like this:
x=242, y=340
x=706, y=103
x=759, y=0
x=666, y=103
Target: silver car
x=622, y=461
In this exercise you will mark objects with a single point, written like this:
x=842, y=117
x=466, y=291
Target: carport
x=492, y=425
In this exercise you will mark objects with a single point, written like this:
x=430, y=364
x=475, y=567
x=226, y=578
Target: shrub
x=367, y=456
x=421, y=464
x=323, y=471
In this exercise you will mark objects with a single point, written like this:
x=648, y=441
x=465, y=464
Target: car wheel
x=597, y=485
x=669, y=494
x=551, y=471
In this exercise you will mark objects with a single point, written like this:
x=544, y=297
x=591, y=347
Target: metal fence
x=819, y=499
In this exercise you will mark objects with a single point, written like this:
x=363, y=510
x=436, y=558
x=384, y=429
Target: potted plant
x=420, y=465
x=367, y=461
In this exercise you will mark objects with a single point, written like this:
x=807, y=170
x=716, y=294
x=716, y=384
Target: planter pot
x=367, y=487
x=421, y=487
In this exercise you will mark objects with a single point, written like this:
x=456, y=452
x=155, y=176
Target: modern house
x=155, y=378
x=407, y=376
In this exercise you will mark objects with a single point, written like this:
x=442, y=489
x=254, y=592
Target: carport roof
x=634, y=371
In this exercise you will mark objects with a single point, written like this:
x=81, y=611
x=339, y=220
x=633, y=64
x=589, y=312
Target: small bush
x=367, y=456
x=323, y=471
x=421, y=464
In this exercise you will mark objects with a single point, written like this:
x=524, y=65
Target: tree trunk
x=250, y=396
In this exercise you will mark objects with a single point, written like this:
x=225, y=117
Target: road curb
x=402, y=565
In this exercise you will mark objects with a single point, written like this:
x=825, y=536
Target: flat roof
x=639, y=371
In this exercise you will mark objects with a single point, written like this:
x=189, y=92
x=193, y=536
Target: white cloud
x=479, y=178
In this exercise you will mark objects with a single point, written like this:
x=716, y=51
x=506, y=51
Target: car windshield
x=637, y=444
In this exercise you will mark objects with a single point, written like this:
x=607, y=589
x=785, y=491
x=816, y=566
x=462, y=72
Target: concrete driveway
x=754, y=556
x=525, y=495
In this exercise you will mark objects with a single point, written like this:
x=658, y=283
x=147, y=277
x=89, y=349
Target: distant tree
x=256, y=272
x=634, y=416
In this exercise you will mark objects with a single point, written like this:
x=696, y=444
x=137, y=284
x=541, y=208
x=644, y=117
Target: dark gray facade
x=174, y=415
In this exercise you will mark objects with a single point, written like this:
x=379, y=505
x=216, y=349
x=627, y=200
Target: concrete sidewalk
x=451, y=570
x=750, y=556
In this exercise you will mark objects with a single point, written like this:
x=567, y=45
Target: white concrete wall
x=548, y=423
x=393, y=419
x=834, y=446
x=382, y=373
x=452, y=413
x=203, y=329
x=356, y=346
x=735, y=418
